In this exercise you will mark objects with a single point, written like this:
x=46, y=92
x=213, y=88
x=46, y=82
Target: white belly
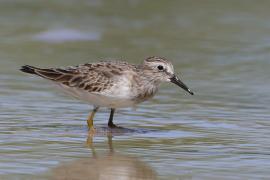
x=114, y=100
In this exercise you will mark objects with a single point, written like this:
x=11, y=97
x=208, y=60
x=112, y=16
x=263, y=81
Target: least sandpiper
x=112, y=84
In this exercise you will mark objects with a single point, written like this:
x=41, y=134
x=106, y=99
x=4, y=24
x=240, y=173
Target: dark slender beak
x=179, y=83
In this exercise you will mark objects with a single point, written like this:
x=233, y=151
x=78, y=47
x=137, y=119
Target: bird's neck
x=148, y=87
x=149, y=79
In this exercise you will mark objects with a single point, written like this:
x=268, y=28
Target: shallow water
x=221, y=49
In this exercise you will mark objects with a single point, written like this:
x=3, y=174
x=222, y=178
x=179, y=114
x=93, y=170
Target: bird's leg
x=110, y=122
x=90, y=120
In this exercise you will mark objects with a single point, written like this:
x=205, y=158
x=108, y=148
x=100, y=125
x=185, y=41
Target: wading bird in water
x=112, y=84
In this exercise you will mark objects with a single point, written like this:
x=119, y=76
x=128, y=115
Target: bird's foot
x=111, y=125
x=91, y=130
x=89, y=141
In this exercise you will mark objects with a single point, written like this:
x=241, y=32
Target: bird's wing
x=94, y=77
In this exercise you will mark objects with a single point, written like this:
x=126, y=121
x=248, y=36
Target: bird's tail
x=28, y=69
x=51, y=74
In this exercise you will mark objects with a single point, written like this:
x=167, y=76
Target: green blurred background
x=220, y=48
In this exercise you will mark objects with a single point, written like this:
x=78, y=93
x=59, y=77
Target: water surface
x=220, y=49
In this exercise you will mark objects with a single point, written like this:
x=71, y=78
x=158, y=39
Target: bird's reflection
x=109, y=132
x=110, y=166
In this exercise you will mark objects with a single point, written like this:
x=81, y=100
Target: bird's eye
x=160, y=67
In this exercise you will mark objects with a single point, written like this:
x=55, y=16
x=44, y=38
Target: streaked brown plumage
x=112, y=84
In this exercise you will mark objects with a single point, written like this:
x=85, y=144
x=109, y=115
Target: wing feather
x=93, y=77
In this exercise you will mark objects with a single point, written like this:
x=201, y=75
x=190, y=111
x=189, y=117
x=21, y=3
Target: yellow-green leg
x=90, y=120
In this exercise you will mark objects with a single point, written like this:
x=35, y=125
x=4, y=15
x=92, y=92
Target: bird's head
x=159, y=70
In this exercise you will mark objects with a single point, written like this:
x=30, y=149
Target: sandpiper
x=112, y=84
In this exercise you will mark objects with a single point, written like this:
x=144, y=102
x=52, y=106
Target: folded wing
x=85, y=77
